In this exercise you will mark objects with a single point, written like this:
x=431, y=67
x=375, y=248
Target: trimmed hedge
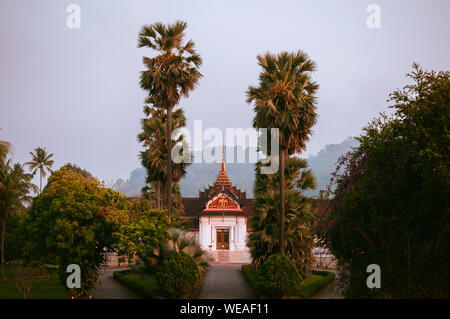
x=178, y=275
x=251, y=279
x=278, y=277
x=315, y=284
x=138, y=286
x=311, y=285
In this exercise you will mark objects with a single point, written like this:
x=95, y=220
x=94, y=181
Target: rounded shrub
x=178, y=275
x=278, y=277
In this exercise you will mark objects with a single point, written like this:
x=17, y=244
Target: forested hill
x=200, y=175
x=324, y=162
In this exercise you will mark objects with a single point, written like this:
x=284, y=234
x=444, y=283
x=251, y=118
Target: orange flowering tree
x=72, y=222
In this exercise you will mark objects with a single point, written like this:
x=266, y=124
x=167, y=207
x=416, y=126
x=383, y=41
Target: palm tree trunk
x=169, y=161
x=158, y=195
x=163, y=195
x=40, y=185
x=3, y=247
x=282, y=213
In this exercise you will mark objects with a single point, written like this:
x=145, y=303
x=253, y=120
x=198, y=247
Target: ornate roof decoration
x=222, y=179
x=222, y=202
x=222, y=196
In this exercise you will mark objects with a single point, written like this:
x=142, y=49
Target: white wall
x=236, y=224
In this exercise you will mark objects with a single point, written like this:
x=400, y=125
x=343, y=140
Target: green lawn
x=44, y=288
x=312, y=284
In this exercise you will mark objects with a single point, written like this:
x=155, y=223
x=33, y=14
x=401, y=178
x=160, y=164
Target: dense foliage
x=155, y=157
x=312, y=284
x=142, y=234
x=78, y=169
x=390, y=202
x=265, y=239
x=278, y=277
x=316, y=281
x=178, y=240
x=15, y=186
x=178, y=275
x=14, y=236
x=72, y=222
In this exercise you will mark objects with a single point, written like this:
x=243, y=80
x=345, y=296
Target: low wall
x=113, y=261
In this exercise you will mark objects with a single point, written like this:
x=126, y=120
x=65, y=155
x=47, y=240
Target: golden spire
x=222, y=178
x=222, y=166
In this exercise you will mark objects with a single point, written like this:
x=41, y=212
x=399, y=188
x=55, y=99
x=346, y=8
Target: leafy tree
x=285, y=99
x=15, y=237
x=169, y=76
x=390, y=203
x=5, y=148
x=72, y=222
x=77, y=169
x=178, y=240
x=264, y=240
x=41, y=161
x=16, y=185
x=324, y=163
x=142, y=234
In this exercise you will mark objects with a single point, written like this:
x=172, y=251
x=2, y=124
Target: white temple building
x=220, y=219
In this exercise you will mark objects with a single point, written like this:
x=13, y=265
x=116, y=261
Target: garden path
x=331, y=291
x=111, y=289
x=225, y=281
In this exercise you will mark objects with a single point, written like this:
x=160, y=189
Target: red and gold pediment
x=222, y=202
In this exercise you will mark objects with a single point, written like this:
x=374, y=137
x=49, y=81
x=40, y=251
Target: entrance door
x=223, y=239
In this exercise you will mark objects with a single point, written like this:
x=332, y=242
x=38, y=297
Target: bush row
x=141, y=290
x=178, y=276
x=316, y=284
x=278, y=277
x=250, y=278
x=309, y=289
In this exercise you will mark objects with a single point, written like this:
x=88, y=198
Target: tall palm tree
x=170, y=75
x=285, y=99
x=17, y=185
x=154, y=158
x=5, y=148
x=265, y=240
x=41, y=161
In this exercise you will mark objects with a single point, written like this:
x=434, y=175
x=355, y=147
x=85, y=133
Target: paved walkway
x=111, y=289
x=224, y=281
x=331, y=291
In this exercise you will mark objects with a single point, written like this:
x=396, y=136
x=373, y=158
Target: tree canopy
x=72, y=222
x=390, y=203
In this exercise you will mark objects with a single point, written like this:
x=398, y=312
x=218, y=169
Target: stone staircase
x=229, y=256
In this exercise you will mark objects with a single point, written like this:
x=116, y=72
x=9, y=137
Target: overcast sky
x=76, y=91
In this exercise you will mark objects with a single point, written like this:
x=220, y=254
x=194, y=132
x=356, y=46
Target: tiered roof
x=222, y=180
